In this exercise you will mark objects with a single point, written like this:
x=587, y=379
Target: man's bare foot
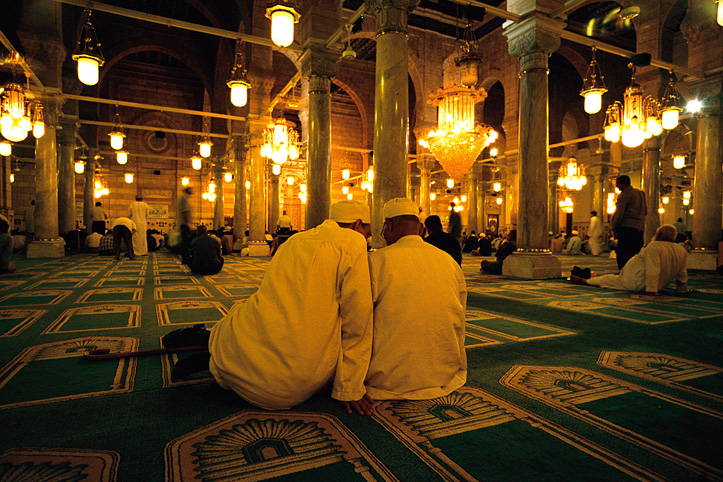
x=577, y=280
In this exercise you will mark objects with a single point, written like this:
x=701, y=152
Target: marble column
x=651, y=185
x=89, y=190
x=552, y=206
x=218, y=171
x=257, y=205
x=533, y=40
x=472, y=200
x=239, y=189
x=273, y=193
x=707, y=186
x=66, y=174
x=425, y=163
x=391, y=106
x=47, y=243
x=318, y=66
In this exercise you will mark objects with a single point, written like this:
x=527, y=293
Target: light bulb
x=239, y=94
x=282, y=28
x=695, y=105
x=204, y=148
x=38, y=130
x=88, y=70
x=670, y=118
x=665, y=199
x=121, y=157
x=593, y=101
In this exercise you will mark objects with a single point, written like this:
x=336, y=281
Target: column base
x=532, y=266
x=52, y=248
x=258, y=249
x=702, y=259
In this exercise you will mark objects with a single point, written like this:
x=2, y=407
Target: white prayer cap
x=350, y=211
x=574, y=232
x=400, y=206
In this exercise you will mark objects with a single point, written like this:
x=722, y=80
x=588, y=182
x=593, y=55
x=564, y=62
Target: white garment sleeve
x=355, y=309
x=652, y=269
x=681, y=279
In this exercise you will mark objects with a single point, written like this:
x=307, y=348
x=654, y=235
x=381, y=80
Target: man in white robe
x=419, y=296
x=595, y=232
x=652, y=269
x=309, y=323
x=138, y=212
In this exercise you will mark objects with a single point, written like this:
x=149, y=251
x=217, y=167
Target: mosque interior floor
x=565, y=382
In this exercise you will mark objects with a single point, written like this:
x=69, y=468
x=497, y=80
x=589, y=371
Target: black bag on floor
x=198, y=335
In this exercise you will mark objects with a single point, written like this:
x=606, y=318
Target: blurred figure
x=138, y=212
x=595, y=233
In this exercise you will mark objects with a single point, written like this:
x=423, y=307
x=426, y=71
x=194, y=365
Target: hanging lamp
x=468, y=58
x=88, y=54
x=593, y=86
x=116, y=133
x=204, y=145
x=283, y=15
x=670, y=105
x=238, y=83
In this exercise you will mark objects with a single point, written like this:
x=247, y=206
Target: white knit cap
x=574, y=232
x=350, y=211
x=400, y=206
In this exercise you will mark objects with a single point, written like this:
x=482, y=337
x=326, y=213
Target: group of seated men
x=327, y=312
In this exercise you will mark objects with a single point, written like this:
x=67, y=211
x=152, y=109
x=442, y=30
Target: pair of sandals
x=581, y=273
x=196, y=336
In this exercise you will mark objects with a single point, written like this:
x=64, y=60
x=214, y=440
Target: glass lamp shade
x=302, y=187
x=350, y=196
x=665, y=200
x=129, y=177
x=494, y=152
x=227, y=177
x=432, y=197
x=5, y=148
x=239, y=93
x=248, y=184
x=204, y=148
x=290, y=181
x=679, y=162
x=293, y=153
x=719, y=18
x=497, y=186
x=38, y=130
x=450, y=183
x=612, y=133
x=12, y=131
x=633, y=135
x=686, y=194
x=116, y=140
x=345, y=174
x=661, y=210
x=593, y=100
x=499, y=200
x=654, y=127
x=121, y=157
x=370, y=174
x=196, y=163
x=185, y=181
x=345, y=190
x=464, y=198
x=670, y=118
x=25, y=124
x=691, y=212
x=686, y=202
x=12, y=177
x=282, y=27
x=88, y=69
x=276, y=169
x=98, y=185
x=468, y=73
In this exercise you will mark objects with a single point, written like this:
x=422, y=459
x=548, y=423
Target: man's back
x=309, y=321
x=630, y=210
x=419, y=322
x=446, y=243
x=205, y=250
x=665, y=262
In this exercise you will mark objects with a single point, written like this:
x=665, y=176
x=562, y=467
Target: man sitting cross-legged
x=309, y=323
x=419, y=297
x=652, y=269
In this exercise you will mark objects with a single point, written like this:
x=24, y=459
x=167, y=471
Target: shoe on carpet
x=197, y=335
x=581, y=273
x=185, y=367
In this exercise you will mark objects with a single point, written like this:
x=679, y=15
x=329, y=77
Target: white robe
x=138, y=212
x=419, y=297
x=652, y=269
x=595, y=233
x=309, y=322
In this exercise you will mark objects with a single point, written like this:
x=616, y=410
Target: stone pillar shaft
x=218, y=220
x=46, y=185
x=472, y=203
x=239, y=199
x=257, y=216
x=425, y=163
x=708, y=183
x=318, y=175
x=273, y=202
x=88, y=191
x=651, y=186
x=66, y=177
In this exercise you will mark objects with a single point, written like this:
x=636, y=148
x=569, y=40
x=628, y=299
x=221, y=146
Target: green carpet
x=565, y=383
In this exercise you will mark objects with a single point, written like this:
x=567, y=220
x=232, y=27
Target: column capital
x=536, y=34
x=426, y=161
x=391, y=15
x=68, y=129
x=318, y=61
x=698, y=27
x=45, y=55
x=709, y=90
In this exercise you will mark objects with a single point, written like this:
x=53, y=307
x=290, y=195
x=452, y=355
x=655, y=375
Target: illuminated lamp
x=116, y=134
x=468, y=58
x=128, y=177
x=432, y=196
x=345, y=190
x=196, y=162
x=464, y=198
x=6, y=148
x=592, y=90
x=227, y=177
x=12, y=177
x=497, y=186
x=450, y=183
x=670, y=105
x=499, y=200
x=248, y=184
x=665, y=200
x=185, y=181
x=38, y=124
x=79, y=167
x=302, y=187
x=679, y=161
x=345, y=174
x=238, y=83
x=290, y=181
x=686, y=194
x=694, y=106
x=121, y=157
x=87, y=54
x=276, y=169
x=283, y=16
x=661, y=210
x=350, y=196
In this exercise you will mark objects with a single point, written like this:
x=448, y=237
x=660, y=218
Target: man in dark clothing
x=438, y=238
x=455, y=224
x=506, y=248
x=470, y=243
x=628, y=222
x=205, y=253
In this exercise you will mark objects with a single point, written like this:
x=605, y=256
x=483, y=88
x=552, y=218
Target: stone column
x=533, y=40
x=651, y=185
x=391, y=106
x=318, y=65
x=425, y=163
x=257, y=207
x=552, y=207
x=88, y=190
x=472, y=200
x=47, y=243
x=218, y=171
x=273, y=193
x=66, y=174
x=239, y=189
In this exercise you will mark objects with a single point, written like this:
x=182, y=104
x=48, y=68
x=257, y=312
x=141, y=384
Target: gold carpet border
x=557, y=331
x=75, y=348
x=28, y=318
x=78, y=283
x=416, y=423
x=59, y=463
x=162, y=310
x=134, y=317
x=562, y=388
x=670, y=370
x=60, y=295
x=201, y=291
x=127, y=280
x=314, y=440
x=137, y=294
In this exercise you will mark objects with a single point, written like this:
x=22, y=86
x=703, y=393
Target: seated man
x=92, y=242
x=205, y=253
x=105, y=246
x=6, y=248
x=471, y=243
x=484, y=246
x=652, y=269
x=505, y=249
x=123, y=229
x=444, y=241
x=419, y=327
x=574, y=244
x=309, y=323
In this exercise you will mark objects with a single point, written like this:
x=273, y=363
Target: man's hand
x=363, y=406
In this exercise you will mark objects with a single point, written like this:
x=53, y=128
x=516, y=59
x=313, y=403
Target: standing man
x=628, y=222
x=184, y=221
x=123, y=228
x=455, y=224
x=680, y=226
x=98, y=218
x=595, y=233
x=284, y=223
x=419, y=327
x=138, y=212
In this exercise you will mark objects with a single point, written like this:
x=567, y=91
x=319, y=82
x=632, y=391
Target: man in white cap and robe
x=309, y=323
x=574, y=244
x=138, y=212
x=419, y=296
